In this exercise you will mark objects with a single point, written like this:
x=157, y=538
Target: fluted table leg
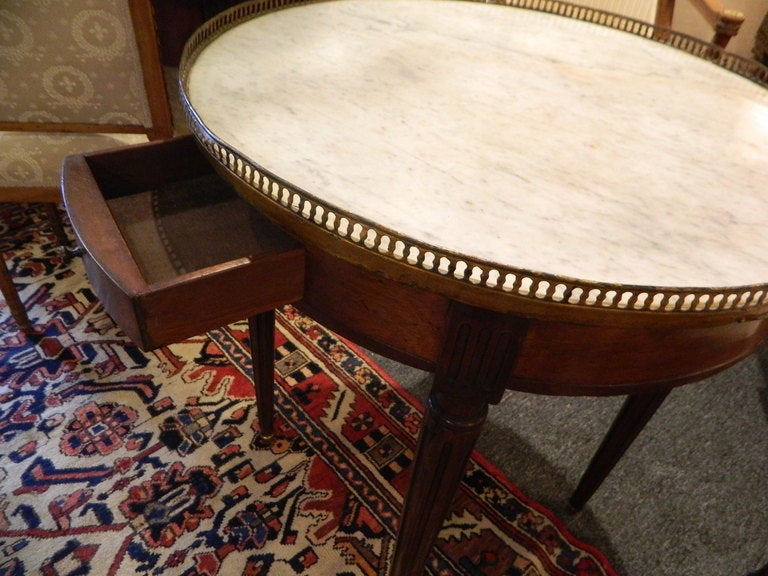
x=474, y=366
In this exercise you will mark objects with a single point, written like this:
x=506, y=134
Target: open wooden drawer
x=170, y=249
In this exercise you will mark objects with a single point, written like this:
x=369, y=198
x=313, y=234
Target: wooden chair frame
x=724, y=22
x=161, y=127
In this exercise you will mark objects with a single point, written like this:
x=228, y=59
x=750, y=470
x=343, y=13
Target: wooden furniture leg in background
x=631, y=419
x=7, y=287
x=55, y=222
x=11, y=296
x=261, y=329
x=476, y=361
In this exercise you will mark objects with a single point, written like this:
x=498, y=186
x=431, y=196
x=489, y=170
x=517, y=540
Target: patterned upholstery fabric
x=34, y=158
x=70, y=61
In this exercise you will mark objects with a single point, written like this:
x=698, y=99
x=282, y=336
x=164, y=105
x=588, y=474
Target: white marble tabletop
x=526, y=139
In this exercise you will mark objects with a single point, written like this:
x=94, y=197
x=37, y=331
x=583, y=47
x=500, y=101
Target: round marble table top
x=526, y=139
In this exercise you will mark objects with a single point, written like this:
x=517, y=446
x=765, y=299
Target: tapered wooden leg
x=11, y=296
x=57, y=227
x=445, y=446
x=634, y=415
x=474, y=366
x=7, y=287
x=262, y=338
x=54, y=220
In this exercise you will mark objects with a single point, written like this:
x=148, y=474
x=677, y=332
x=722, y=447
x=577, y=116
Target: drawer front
x=170, y=249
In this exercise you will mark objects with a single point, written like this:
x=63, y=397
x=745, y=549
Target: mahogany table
x=531, y=196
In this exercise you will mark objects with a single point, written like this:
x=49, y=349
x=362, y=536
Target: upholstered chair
x=75, y=76
x=725, y=23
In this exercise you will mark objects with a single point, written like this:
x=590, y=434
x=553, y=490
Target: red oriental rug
x=116, y=461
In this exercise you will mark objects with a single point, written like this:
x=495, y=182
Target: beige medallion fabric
x=70, y=61
x=34, y=158
x=65, y=62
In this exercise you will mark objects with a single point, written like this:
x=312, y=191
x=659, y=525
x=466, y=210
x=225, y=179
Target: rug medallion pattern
x=117, y=461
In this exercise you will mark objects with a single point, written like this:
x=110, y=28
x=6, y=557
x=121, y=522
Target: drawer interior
x=171, y=249
x=188, y=225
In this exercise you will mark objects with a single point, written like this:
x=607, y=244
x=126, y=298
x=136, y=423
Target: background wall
x=689, y=21
x=177, y=19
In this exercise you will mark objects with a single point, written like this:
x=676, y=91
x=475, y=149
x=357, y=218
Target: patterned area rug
x=115, y=461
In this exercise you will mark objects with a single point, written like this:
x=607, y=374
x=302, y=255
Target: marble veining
x=517, y=137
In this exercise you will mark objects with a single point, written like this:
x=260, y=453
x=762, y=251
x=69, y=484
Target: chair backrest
x=81, y=66
x=724, y=23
